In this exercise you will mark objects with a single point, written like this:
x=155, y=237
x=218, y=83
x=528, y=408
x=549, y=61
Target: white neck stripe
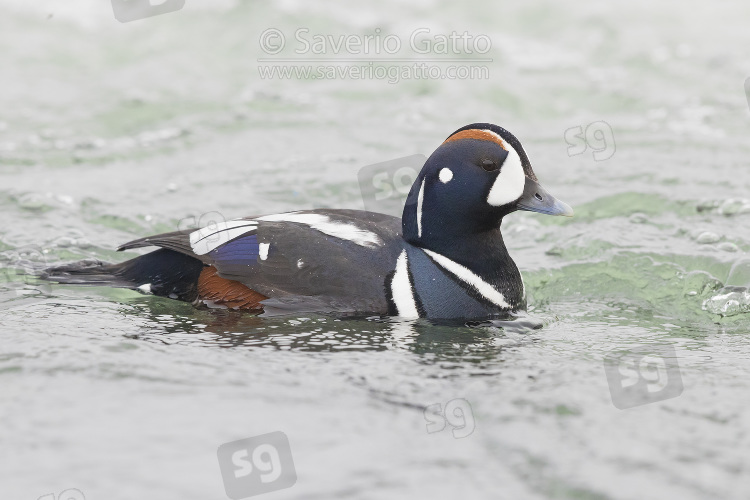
x=482, y=287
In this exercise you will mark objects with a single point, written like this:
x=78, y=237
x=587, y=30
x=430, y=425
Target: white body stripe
x=420, y=199
x=212, y=236
x=324, y=224
x=401, y=290
x=486, y=290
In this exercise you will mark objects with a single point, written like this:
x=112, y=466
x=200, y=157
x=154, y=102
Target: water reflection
x=170, y=322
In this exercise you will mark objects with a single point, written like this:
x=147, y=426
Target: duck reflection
x=173, y=322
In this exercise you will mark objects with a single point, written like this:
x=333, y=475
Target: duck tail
x=163, y=272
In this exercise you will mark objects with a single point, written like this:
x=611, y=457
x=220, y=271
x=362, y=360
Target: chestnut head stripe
x=482, y=135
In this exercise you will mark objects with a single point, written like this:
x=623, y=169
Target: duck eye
x=489, y=165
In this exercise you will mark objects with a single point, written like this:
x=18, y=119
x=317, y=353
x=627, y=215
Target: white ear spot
x=509, y=184
x=445, y=175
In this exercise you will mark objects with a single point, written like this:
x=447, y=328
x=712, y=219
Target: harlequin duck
x=445, y=258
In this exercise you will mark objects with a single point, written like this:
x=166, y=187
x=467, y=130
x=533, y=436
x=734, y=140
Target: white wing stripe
x=217, y=227
x=210, y=237
x=206, y=239
x=324, y=224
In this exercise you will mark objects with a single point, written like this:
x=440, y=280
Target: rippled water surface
x=113, y=131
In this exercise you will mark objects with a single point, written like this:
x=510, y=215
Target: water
x=113, y=131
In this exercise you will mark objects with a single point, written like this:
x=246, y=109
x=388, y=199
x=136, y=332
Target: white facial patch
x=420, y=198
x=445, y=175
x=214, y=235
x=509, y=184
x=401, y=290
x=324, y=224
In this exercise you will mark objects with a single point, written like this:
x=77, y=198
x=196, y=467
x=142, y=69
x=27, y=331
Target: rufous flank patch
x=230, y=293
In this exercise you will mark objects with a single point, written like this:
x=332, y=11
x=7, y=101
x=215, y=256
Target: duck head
x=477, y=176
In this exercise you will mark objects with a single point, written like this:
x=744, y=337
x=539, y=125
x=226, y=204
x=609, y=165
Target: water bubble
x=707, y=205
x=89, y=143
x=739, y=275
x=153, y=137
x=31, y=201
x=729, y=247
x=638, y=218
x=700, y=283
x=707, y=237
x=734, y=206
x=730, y=301
x=64, y=242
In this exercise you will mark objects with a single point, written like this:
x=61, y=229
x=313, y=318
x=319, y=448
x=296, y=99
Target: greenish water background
x=112, y=131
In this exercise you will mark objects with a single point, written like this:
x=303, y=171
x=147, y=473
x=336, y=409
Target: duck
x=445, y=258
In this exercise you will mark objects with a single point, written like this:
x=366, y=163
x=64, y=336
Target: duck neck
x=484, y=254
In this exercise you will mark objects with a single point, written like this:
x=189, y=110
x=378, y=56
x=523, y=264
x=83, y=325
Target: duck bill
x=536, y=199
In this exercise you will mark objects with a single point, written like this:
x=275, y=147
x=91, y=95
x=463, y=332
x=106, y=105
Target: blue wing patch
x=234, y=257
